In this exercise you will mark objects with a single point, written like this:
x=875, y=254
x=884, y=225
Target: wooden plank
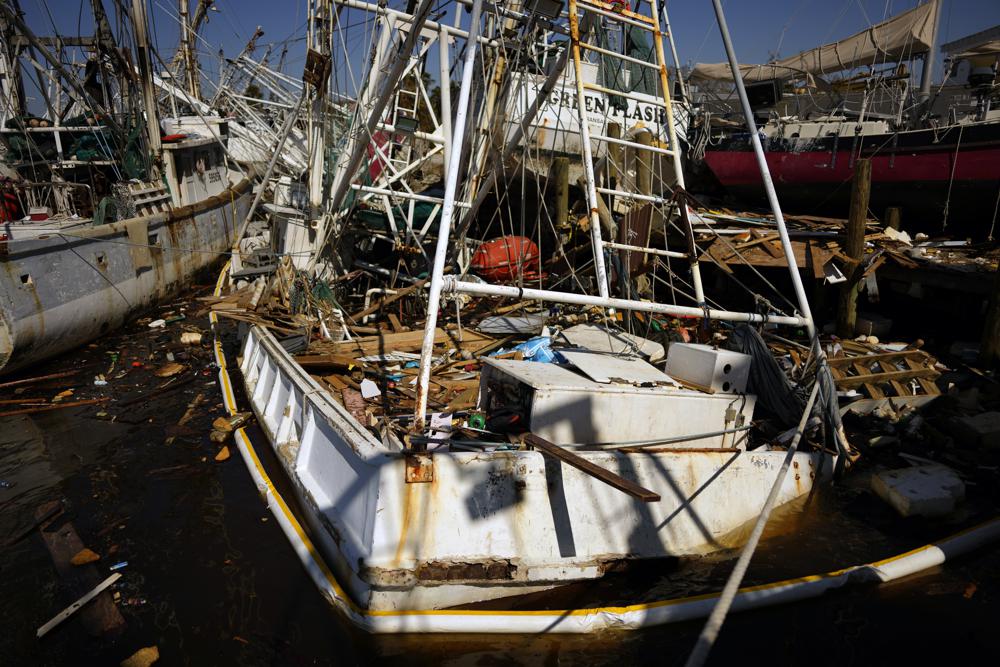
x=928, y=385
x=768, y=243
x=466, y=398
x=816, y=257
x=864, y=373
x=580, y=463
x=100, y=617
x=335, y=381
x=326, y=361
x=396, y=325
x=407, y=341
x=53, y=376
x=897, y=386
x=882, y=356
x=387, y=300
x=875, y=378
x=53, y=406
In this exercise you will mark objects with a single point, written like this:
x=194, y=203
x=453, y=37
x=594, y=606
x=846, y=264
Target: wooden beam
x=876, y=378
x=387, y=300
x=836, y=362
x=53, y=406
x=40, y=378
x=594, y=470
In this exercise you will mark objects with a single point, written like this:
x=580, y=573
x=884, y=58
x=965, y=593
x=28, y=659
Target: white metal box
x=704, y=366
x=566, y=407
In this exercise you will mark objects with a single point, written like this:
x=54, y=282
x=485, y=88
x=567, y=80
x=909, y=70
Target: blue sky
x=760, y=28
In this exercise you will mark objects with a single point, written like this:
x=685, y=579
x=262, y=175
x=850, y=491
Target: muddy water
x=211, y=579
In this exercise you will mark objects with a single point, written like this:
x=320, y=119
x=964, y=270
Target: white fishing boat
x=103, y=217
x=615, y=459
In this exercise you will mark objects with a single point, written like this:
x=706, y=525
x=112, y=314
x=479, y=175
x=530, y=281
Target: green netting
x=135, y=160
x=106, y=211
x=616, y=74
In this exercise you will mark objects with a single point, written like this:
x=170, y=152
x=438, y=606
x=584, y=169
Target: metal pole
x=823, y=374
x=182, y=9
x=529, y=294
x=285, y=130
x=447, y=213
x=928, y=70
x=710, y=631
x=758, y=149
x=444, y=74
x=673, y=50
x=146, y=75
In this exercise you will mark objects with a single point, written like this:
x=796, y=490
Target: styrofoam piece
x=929, y=490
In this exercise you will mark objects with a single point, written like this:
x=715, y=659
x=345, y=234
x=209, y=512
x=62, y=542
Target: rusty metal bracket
x=419, y=468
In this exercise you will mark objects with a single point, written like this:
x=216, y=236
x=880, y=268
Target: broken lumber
x=40, y=378
x=592, y=469
x=406, y=291
x=53, y=406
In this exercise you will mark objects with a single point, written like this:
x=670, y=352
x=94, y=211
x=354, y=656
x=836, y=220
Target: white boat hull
x=489, y=525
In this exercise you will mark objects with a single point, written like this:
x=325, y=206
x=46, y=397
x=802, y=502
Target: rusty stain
x=405, y=520
x=419, y=468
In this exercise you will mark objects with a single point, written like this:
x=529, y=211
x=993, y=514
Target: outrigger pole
x=447, y=213
x=824, y=381
x=828, y=394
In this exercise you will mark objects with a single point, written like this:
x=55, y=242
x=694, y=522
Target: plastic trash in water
x=119, y=566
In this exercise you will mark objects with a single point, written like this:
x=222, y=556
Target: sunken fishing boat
x=505, y=394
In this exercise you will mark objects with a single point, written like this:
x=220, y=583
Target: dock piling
x=854, y=248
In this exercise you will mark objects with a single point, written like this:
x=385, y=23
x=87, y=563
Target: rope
x=996, y=206
x=714, y=623
x=951, y=179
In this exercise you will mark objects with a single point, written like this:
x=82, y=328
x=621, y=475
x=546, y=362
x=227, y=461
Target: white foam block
x=930, y=490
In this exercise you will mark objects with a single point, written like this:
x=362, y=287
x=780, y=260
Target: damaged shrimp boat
x=102, y=215
x=563, y=443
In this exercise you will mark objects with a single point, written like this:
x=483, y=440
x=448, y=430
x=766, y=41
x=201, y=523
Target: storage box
x=709, y=368
x=566, y=407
